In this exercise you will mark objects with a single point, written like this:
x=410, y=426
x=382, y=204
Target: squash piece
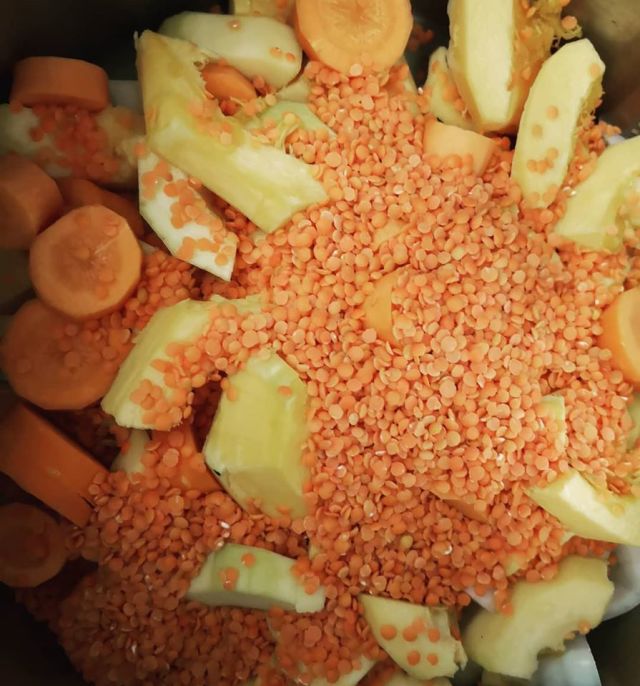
x=544, y=613
x=593, y=218
x=445, y=102
x=189, y=131
x=443, y=140
x=567, y=88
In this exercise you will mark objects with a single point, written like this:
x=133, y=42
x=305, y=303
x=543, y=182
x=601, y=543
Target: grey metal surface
x=29, y=655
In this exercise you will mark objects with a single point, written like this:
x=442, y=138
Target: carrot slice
x=29, y=201
x=222, y=81
x=621, y=334
x=32, y=548
x=45, y=463
x=50, y=368
x=81, y=192
x=352, y=32
x=87, y=263
x=60, y=81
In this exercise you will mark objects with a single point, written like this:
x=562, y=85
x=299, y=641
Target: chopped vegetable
x=59, y=81
x=29, y=199
x=621, y=335
x=80, y=192
x=32, y=547
x=262, y=182
x=180, y=216
x=567, y=88
x=278, y=9
x=417, y=638
x=443, y=140
x=140, y=397
x=86, y=264
x=553, y=407
x=378, y=307
x=46, y=464
x=263, y=466
x=544, y=613
x=83, y=144
x=343, y=35
x=50, y=365
x=445, y=101
x=255, y=46
x=594, y=217
x=245, y=576
x=222, y=81
x=494, y=60
x=589, y=511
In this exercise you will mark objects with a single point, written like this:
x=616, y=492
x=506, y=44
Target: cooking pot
x=101, y=31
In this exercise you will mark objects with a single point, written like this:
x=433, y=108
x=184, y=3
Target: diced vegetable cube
x=288, y=116
x=264, y=464
x=593, y=218
x=445, y=101
x=180, y=324
x=244, y=576
x=255, y=46
x=443, y=140
x=544, y=613
x=417, y=638
x=589, y=511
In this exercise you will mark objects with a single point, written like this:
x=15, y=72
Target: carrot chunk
x=60, y=81
x=87, y=263
x=49, y=368
x=80, y=192
x=46, y=463
x=32, y=548
x=621, y=334
x=223, y=81
x=29, y=201
x=349, y=33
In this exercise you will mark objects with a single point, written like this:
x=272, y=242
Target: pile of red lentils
x=420, y=452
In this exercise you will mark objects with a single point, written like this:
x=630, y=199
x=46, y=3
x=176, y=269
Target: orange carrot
x=52, y=366
x=87, y=263
x=443, y=140
x=60, y=81
x=81, y=192
x=45, y=463
x=29, y=201
x=222, y=82
x=32, y=548
x=351, y=34
x=621, y=333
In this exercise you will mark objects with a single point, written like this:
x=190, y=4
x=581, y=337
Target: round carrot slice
x=621, y=333
x=87, y=263
x=32, y=548
x=29, y=201
x=344, y=33
x=223, y=81
x=60, y=81
x=50, y=369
